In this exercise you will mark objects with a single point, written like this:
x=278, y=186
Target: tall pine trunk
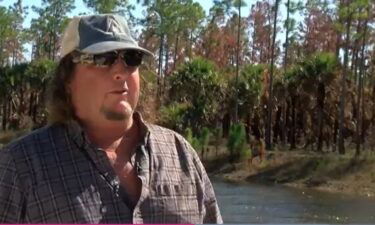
x=270, y=90
x=343, y=87
x=237, y=61
x=284, y=122
x=320, y=99
x=294, y=122
x=175, y=50
x=360, y=112
x=285, y=64
x=286, y=37
x=160, y=69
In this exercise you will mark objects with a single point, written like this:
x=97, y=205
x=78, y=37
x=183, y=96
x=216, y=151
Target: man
x=98, y=161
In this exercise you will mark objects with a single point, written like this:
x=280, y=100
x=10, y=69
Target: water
x=255, y=203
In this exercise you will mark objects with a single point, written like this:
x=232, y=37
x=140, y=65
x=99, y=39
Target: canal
x=256, y=203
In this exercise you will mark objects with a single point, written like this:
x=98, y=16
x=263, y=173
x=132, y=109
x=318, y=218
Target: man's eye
x=100, y=60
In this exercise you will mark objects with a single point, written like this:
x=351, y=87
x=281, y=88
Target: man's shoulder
x=33, y=139
x=172, y=148
x=159, y=129
x=165, y=137
x=165, y=134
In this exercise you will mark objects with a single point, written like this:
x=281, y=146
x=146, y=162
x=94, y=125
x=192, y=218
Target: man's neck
x=111, y=135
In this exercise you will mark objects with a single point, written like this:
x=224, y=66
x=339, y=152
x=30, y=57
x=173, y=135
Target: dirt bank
x=328, y=171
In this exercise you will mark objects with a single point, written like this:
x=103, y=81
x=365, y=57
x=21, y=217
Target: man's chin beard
x=116, y=116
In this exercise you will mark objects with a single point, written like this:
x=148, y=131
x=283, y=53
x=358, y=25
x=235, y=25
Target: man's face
x=104, y=93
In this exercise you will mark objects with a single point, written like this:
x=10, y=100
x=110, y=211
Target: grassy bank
x=327, y=171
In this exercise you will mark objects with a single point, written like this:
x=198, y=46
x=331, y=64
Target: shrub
x=195, y=143
x=173, y=115
x=237, y=142
x=199, y=84
x=218, y=134
x=205, y=137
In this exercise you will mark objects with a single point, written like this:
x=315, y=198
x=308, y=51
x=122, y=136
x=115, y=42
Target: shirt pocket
x=176, y=203
x=177, y=190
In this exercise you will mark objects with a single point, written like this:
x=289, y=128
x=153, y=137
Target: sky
x=80, y=7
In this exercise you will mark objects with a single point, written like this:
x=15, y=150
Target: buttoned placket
x=99, y=159
x=141, y=160
x=101, y=162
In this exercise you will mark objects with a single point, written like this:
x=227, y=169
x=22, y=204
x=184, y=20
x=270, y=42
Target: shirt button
x=138, y=221
x=103, y=209
x=114, y=183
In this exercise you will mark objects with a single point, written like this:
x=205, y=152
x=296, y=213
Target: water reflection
x=255, y=203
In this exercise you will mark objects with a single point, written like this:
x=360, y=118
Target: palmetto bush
x=199, y=86
x=236, y=144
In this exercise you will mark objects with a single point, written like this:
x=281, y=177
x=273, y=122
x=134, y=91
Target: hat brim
x=108, y=46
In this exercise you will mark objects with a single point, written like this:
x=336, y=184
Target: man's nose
x=119, y=70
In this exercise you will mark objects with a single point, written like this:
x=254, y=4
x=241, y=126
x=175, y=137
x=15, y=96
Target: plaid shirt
x=54, y=175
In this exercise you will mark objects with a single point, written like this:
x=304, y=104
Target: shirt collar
x=78, y=135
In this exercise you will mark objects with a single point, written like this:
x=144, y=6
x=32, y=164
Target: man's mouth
x=120, y=92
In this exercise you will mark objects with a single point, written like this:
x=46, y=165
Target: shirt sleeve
x=11, y=200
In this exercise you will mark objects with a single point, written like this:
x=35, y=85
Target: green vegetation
x=198, y=85
x=193, y=140
x=199, y=142
x=237, y=142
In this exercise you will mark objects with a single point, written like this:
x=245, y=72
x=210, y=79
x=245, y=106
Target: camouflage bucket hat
x=98, y=34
